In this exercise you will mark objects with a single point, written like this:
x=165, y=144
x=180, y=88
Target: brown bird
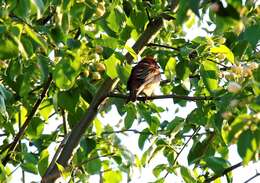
x=144, y=78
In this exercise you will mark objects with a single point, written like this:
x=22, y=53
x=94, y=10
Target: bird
x=144, y=78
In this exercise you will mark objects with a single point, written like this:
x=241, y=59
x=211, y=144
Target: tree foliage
x=67, y=59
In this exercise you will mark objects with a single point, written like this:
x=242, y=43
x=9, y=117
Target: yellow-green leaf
x=131, y=51
x=35, y=37
x=113, y=177
x=111, y=65
x=224, y=50
x=209, y=73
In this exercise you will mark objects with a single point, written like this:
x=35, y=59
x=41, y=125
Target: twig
x=148, y=15
x=121, y=131
x=77, y=34
x=183, y=147
x=251, y=178
x=96, y=157
x=163, y=46
x=20, y=145
x=53, y=161
x=178, y=49
x=226, y=67
x=227, y=170
x=173, y=96
x=64, y=123
x=21, y=132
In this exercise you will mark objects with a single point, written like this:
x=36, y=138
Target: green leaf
x=154, y=124
x=196, y=153
x=113, y=177
x=111, y=65
x=36, y=38
x=115, y=20
x=130, y=115
x=138, y=20
x=146, y=155
x=240, y=48
x=29, y=157
x=26, y=41
x=65, y=26
x=222, y=49
x=182, y=70
x=5, y=93
x=30, y=167
x=43, y=162
x=187, y=175
x=65, y=72
x=256, y=74
x=209, y=73
x=58, y=35
x=237, y=126
x=35, y=128
x=88, y=145
x=3, y=111
x=124, y=73
x=142, y=138
x=157, y=150
x=65, y=173
x=68, y=100
x=93, y=166
x=216, y=164
x=251, y=34
x=158, y=169
x=44, y=66
x=127, y=7
x=22, y=8
x=98, y=126
x=109, y=42
x=38, y=4
x=170, y=68
x=182, y=11
x=175, y=126
x=45, y=109
x=8, y=49
x=247, y=146
x=197, y=116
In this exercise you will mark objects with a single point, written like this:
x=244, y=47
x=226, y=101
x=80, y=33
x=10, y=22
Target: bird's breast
x=150, y=87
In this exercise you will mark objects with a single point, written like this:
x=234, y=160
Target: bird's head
x=150, y=60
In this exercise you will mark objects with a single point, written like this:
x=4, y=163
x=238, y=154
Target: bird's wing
x=146, y=75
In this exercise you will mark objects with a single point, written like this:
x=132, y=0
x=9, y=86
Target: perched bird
x=144, y=78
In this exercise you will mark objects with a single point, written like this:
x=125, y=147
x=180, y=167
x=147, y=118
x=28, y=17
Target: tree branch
x=227, y=170
x=53, y=161
x=64, y=122
x=163, y=46
x=172, y=96
x=143, y=132
x=178, y=49
x=21, y=132
x=107, y=86
x=96, y=157
x=183, y=147
x=226, y=67
x=253, y=177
